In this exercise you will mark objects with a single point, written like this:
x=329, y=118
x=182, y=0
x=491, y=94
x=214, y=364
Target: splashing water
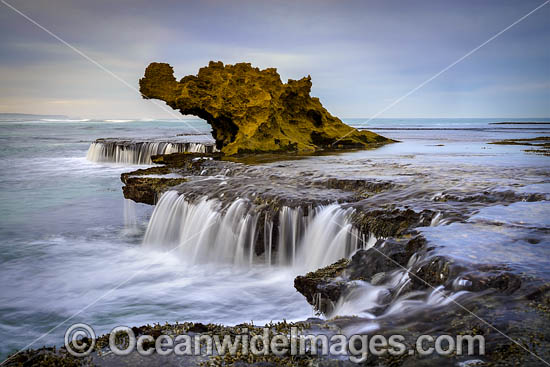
x=301, y=239
x=130, y=219
x=205, y=231
x=140, y=152
x=390, y=301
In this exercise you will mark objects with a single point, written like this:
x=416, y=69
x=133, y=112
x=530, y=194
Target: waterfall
x=268, y=240
x=140, y=152
x=302, y=239
x=291, y=220
x=329, y=237
x=199, y=232
x=130, y=219
x=206, y=231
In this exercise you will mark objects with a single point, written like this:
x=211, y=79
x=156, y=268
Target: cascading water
x=390, y=300
x=199, y=231
x=140, y=152
x=130, y=219
x=205, y=231
x=329, y=237
x=304, y=239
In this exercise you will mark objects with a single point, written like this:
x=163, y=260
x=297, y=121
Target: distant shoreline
x=27, y=116
x=520, y=123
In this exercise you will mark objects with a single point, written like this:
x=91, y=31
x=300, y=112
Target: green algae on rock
x=252, y=110
x=541, y=144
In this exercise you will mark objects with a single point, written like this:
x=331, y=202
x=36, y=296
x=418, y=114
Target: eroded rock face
x=252, y=110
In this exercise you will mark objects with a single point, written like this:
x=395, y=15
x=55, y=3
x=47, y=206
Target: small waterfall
x=140, y=152
x=291, y=221
x=205, y=231
x=302, y=238
x=438, y=220
x=329, y=237
x=130, y=219
x=268, y=240
x=199, y=231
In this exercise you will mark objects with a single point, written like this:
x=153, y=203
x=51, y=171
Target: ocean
x=69, y=241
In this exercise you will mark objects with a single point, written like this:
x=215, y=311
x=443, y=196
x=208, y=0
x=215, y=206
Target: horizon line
x=192, y=117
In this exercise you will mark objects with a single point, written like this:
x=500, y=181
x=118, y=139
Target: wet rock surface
x=391, y=222
x=402, y=267
x=412, y=256
x=322, y=285
x=146, y=185
x=507, y=342
x=384, y=256
x=212, y=176
x=252, y=110
x=509, y=310
x=539, y=145
x=147, y=189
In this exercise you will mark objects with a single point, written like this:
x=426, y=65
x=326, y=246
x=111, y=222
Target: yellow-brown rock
x=252, y=111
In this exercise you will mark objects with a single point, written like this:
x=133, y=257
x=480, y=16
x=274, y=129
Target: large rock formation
x=251, y=110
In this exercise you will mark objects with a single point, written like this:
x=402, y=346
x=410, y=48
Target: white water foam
x=140, y=152
x=205, y=231
x=365, y=300
x=130, y=218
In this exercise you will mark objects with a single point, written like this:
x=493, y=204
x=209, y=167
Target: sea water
x=71, y=247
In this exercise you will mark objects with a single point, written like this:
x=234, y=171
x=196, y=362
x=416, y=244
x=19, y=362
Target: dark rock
x=431, y=273
x=503, y=281
x=198, y=328
x=325, y=286
x=142, y=188
x=390, y=223
x=321, y=286
x=146, y=189
x=384, y=256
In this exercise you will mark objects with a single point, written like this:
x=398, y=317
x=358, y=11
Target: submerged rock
x=412, y=255
x=322, y=287
x=540, y=145
x=252, y=110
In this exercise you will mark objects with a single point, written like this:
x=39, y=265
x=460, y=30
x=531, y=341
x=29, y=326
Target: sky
x=362, y=55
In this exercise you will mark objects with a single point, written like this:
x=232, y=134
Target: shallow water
x=67, y=236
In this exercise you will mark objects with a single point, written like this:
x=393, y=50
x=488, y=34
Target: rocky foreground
x=503, y=299
x=508, y=307
x=252, y=110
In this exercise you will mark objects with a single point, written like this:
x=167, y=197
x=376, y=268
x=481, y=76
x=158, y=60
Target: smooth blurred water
x=66, y=244
x=63, y=244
